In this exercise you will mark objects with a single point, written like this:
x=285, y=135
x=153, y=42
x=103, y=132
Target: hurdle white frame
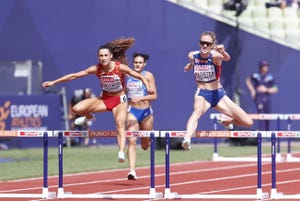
x=217, y=134
x=259, y=195
x=274, y=116
x=152, y=192
x=19, y=133
x=289, y=156
x=274, y=194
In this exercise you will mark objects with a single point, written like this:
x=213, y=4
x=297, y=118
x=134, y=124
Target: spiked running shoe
x=186, y=144
x=227, y=127
x=121, y=157
x=83, y=120
x=132, y=175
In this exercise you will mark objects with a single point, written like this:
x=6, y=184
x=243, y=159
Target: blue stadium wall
x=65, y=35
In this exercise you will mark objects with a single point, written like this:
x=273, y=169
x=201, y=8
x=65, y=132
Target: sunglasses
x=205, y=43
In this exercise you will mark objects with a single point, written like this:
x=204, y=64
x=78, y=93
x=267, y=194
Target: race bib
x=123, y=98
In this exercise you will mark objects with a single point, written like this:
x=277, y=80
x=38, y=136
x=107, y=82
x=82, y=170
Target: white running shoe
x=121, y=157
x=132, y=175
x=80, y=121
x=228, y=127
x=186, y=144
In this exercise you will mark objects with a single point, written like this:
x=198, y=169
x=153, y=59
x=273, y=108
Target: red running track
x=186, y=178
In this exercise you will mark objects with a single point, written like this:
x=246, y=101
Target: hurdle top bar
x=28, y=133
x=105, y=133
x=262, y=116
x=233, y=134
x=109, y=133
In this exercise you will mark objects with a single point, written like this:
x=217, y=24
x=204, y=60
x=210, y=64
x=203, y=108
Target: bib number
x=123, y=98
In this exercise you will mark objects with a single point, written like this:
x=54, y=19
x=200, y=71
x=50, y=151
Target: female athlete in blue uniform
x=206, y=64
x=140, y=114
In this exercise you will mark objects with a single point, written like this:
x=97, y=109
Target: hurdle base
x=274, y=194
x=238, y=159
x=215, y=157
x=260, y=195
x=279, y=158
x=155, y=195
x=174, y=195
x=20, y=195
x=169, y=195
x=152, y=195
x=61, y=193
x=46, y=194
x=210, y=196
x=290, y=197
x=290, y=158
x=111, y=196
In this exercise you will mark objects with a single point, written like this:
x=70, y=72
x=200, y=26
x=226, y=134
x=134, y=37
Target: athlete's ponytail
x=118, y=48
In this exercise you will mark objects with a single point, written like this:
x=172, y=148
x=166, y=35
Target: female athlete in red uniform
x=110, y=71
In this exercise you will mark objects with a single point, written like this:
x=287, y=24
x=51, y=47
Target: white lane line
x=185, y=183
x=140, y=177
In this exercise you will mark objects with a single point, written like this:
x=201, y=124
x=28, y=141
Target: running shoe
x=186, y=144
x=121, y=157
x=80, y=121
x=132, y=175
x=227, y=127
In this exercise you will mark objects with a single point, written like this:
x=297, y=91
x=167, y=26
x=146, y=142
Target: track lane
x=186, y=178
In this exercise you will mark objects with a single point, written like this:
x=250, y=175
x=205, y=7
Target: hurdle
x=274, y=136
x=277, y=117
x=152, y=193
x=44, y=134
x=289, y=156
x=214, y=134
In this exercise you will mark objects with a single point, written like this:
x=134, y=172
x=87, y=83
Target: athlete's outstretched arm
x=71, y=76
